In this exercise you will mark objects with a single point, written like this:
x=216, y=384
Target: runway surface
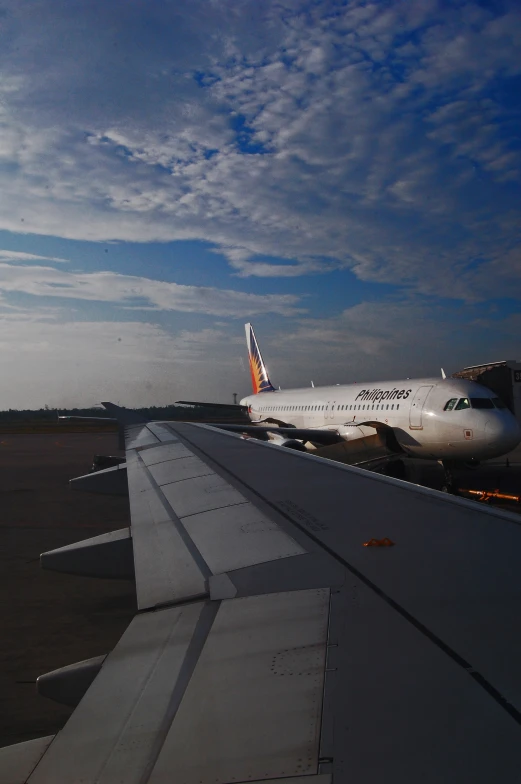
x=50, y=620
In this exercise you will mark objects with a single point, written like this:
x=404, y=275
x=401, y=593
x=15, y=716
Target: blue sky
x=344, y=174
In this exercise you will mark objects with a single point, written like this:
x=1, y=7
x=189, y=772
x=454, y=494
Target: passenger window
x=463, y=402
x=392, y=406
x=498, y=402
x=398, y=406
x=449, y=405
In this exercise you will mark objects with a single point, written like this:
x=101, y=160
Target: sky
x=345, y=175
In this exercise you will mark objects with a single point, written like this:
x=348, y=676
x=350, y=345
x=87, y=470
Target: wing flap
x=173, y=701
x=252, y=708
x=115, y=732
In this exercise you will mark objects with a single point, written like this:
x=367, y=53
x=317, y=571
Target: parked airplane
x=446, y=419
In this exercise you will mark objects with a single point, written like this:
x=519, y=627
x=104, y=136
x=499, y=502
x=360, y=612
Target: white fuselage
x=415, y=409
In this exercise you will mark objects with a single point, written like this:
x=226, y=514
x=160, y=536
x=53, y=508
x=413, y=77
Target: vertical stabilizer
x=259, y=375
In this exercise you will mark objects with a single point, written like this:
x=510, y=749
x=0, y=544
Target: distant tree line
x=47, y=414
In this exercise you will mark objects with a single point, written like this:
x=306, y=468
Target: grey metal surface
x=69, y=684
x=177, y=470
x=17, y=762
x=138, y=436
x=164, y=452
x=404, y=711
x=162, y=430
x=252, y=708
x=201, y=494
x=453, y=572
x=165, y=569
x=107, y=555
x=113, y=735
x=238, y=536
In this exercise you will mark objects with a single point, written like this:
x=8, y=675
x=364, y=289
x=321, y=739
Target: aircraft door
x=415, y=413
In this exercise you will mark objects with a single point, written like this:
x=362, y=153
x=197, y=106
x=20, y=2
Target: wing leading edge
x=271, y=644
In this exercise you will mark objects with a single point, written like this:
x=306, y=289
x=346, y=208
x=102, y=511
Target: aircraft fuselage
x=426, y=424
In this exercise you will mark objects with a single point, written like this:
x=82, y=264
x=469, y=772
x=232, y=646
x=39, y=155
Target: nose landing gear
x=448, y=484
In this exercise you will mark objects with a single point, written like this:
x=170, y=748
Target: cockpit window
x=481, y=402
x=449, y=405
x=498, y=402
x=463, y=402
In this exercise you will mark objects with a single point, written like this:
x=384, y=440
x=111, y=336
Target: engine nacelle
x=351, y=431
x=288, y=443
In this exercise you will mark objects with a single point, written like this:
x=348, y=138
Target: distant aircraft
x=446, y=419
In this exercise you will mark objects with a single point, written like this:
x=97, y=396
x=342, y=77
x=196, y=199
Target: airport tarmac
x=50, y=620
x=501, y=473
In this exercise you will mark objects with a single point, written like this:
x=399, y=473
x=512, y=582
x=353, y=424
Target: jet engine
x=288, y=443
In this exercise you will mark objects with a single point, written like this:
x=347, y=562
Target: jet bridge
x=503, y=378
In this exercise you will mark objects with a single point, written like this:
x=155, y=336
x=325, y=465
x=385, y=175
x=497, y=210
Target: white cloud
x=50, y=359
x=68, y=364
x=139, y=292
x=390, y=159
x=15, y=255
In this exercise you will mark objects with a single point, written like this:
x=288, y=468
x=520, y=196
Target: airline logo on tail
x=259, y=374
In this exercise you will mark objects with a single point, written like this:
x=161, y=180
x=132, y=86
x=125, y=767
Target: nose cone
x=503, y=432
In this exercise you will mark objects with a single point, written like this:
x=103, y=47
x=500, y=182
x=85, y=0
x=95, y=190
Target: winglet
x=443, y=373
x=259, y=375
x=124, y=416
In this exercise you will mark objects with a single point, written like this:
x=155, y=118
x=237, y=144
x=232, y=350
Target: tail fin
x=259, y=375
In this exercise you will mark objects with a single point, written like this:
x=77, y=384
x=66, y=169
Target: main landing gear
x=396, y=469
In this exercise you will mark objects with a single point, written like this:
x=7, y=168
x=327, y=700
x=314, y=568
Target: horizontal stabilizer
x=108, y=481
x=87, y=418
x=233, y=406
x=109, y=555
x=125, y=416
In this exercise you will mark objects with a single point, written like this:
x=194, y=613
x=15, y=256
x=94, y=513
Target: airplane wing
x=299, y=621
x=325, y=437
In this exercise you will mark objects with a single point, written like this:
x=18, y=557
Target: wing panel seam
x=183, y=533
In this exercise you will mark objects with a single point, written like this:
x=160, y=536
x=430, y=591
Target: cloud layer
x=375, y=136
x=140, y=293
